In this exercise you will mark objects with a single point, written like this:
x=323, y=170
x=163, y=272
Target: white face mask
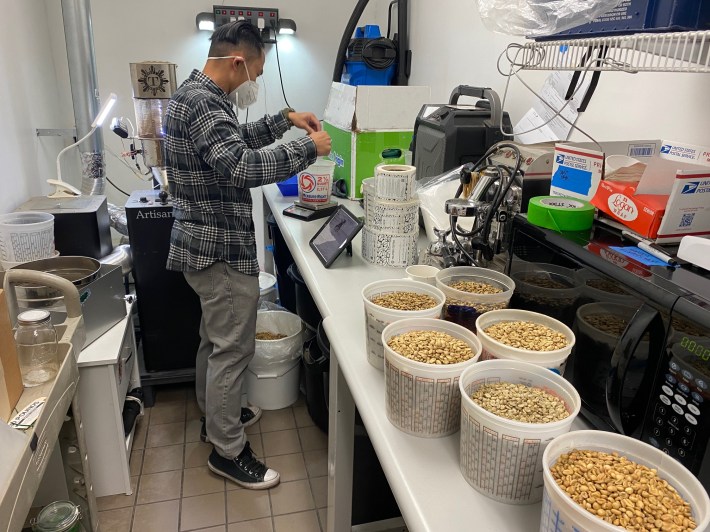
x=247, y=93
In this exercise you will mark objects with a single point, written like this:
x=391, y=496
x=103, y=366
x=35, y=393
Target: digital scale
x=308, y=212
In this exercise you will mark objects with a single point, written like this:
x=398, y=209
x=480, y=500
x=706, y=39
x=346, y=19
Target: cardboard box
x=670, y=199
x=364, y=122
x=10, y=377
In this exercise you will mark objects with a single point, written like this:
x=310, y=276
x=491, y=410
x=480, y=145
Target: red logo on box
x=623, y=207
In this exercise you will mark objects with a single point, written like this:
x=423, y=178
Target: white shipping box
x=677, y=175
x=375, y=107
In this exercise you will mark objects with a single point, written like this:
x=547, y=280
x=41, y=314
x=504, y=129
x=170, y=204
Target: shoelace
x=250, y=463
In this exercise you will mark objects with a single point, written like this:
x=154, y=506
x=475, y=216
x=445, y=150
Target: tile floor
x=174, y=491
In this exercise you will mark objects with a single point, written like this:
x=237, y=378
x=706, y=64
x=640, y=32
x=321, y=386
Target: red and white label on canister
x=313, y=187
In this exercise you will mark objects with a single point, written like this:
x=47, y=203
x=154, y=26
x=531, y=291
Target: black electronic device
x=308, y=215
x=335, y=236
x=449, y=135
x=168, y=308
x=81, y=224
x=641, y=361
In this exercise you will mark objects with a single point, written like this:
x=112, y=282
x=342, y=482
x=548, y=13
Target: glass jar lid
x=33, y=317
x=59, y=516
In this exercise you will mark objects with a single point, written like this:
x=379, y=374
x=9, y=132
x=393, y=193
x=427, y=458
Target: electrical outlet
x=264, y=18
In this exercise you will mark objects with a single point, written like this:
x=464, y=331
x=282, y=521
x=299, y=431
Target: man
x=212, y=162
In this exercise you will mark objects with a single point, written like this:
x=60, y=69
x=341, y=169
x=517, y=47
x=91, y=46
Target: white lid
x=33, y=316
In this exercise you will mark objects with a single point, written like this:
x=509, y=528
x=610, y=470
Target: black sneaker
x=250, y=415
x=245, y=470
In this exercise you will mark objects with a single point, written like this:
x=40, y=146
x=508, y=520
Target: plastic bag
x=537, y=18
x=432, y=198
x=272, y=352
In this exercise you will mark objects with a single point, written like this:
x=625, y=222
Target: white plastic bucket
x=561, y=514
x=423, y=399
x=274, y=389
x=377, y=318
x=272, y=378
x=315, y=182
x=500, y=457
x=465, y=307
x=267, y=287
x=492, y=349
x=6, y=264
x=26, y=236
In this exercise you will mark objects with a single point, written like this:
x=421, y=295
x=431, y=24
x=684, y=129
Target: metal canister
x=59, y=516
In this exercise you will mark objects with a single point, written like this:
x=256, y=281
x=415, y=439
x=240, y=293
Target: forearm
x=264, y=131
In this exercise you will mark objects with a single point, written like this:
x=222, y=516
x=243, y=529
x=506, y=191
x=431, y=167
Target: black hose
x=347, y=35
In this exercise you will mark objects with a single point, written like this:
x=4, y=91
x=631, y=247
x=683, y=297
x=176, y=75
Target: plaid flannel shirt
x=212, y=161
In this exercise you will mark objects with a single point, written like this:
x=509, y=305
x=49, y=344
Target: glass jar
x=36, y=341
x=59, y=516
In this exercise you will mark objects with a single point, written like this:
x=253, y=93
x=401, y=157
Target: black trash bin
x=282, y=260
x=305, y=305
x=316, y=359
x=372, y=497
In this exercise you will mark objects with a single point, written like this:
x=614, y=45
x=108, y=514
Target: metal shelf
x=643, y=52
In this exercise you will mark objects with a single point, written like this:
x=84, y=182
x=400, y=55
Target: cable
x=278, y=62
x=537, y=57
x=117, y=188
x=138, y=175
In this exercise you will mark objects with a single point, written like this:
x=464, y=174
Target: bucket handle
x=647, y=318
x=14, y=277
x=267, y=376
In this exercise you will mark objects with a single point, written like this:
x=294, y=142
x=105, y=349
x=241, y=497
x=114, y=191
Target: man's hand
x=307, y=121
x=322, y=140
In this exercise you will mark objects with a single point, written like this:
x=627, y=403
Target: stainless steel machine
x=153, y=82
x=491, y=191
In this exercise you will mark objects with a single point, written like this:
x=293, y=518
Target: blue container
x=635, y=16
x=289, y=187
x=358, y=73
x=356, y=70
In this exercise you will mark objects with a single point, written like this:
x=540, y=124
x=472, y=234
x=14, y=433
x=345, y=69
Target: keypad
x=677, y=412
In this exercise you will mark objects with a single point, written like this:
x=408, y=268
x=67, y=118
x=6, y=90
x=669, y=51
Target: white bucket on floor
x=267, y=287
x=276, y=388
x=561, y=514
x=272, y=377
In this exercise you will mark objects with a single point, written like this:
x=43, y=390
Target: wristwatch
x=285, y=113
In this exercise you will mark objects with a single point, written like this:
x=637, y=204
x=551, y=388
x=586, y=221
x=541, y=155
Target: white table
x=423, y=473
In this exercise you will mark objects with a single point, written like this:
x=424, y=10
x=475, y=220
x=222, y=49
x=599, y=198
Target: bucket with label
x=390, y=292
x=315, y=182
x=500, y=457
x=560, y=513
x=539, y=352
x=422, y=398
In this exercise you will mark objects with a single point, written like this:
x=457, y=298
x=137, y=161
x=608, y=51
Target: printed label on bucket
x=502, y=466
x=314, y=188
x=375, y=348
x=422, y=405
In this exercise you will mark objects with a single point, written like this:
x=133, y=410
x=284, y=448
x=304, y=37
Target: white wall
x=625, y=106
x=165, y=30
x=27, y=101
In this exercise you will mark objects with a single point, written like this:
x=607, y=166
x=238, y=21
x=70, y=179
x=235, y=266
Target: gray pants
x=229, y=301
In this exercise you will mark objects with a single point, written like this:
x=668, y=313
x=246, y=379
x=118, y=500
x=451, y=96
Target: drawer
x=124, y=366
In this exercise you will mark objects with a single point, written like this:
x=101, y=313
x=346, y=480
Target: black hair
x=232, y=35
